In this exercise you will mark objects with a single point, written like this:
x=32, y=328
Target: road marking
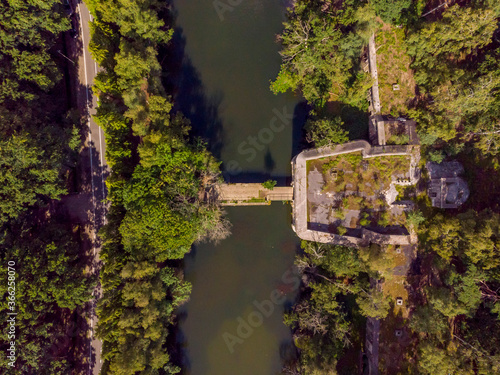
x=88, y=117
x=91, y=173
x=96, y=70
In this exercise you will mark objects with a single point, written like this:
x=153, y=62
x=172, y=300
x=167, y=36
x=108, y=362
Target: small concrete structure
x=381, y=128
x=446, y=189
x=252, y=194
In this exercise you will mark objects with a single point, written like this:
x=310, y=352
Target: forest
x=160, y=175
x=156, y=190
x=40, y=140
x=453, y=282
x=157, y=205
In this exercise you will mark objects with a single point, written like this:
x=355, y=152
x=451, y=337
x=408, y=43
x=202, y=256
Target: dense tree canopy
x=50, y=284
x=320, y=50
x=25, y=176
x=391, y=11
x=39, y=142
x=156, y=189
x=467, y=277
x=334, y=303
x=28, y=31
x=34, y=132
x=454, y=52
x=326, y=132
x=456, y=63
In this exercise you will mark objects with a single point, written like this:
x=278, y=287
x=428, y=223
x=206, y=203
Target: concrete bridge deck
x=252, y=194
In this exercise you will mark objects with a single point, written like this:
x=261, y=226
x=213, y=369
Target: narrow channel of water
x=228, y=58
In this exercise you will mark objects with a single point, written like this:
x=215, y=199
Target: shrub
x=341, y=230
x=402, y=139
x=269, y=184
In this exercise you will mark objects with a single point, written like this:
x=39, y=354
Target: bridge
x=252, y=194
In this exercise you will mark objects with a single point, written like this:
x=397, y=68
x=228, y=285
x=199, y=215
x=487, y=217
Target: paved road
x=95, y=168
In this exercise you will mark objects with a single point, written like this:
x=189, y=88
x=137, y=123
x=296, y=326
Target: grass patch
x=406, y=192
x=358, y=185
x=393, y=66
x=402, y=139
x=368, y=175
x=255, y=200
x=344, y=162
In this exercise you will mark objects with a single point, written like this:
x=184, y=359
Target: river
x=227, y=56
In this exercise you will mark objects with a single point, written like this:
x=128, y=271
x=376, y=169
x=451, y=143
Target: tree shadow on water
x=269, y=163
x=300, y=114
x=182, y=79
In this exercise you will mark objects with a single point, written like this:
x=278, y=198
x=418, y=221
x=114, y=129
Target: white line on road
x=91, y=172
x=88, y=119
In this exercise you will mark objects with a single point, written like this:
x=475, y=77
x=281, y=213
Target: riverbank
x=157, y=175
x=223, y=88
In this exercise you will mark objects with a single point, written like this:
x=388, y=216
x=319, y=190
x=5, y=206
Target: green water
x=224, y=89
x=231, y=283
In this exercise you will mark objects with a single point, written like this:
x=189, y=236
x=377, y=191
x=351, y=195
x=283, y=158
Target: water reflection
x=222, y=85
